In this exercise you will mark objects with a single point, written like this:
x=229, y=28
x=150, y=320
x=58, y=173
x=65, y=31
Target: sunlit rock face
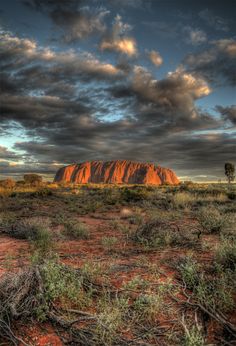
x=116, y=172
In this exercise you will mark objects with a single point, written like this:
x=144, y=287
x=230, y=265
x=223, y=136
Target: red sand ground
x=124, y=258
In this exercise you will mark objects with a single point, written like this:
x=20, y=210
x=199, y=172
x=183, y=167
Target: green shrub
x=109, y=242
x=193, y=337
x=212, y=220
x=148, y=306
x=135, y=219
x=62, y=284
x=43, y=244
x=37, y=231
x=110, y=196
x=157, y=233
x=60, y=281
x=7, y=219
x=226, y=253
x=211, y=291
x=134, y=194
x=91, y=271
x=183, y=199
x=28, y=228
x=110, y=320
x=190, y=271
x=76, y=230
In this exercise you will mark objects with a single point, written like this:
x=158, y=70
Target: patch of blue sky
x=15, y=133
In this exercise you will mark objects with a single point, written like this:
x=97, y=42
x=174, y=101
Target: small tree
x=33, y=179
x=229, y=171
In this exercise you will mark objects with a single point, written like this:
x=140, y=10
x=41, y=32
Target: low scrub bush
x=212, y=220
x=190, y=271
x=134, y=194
x=157, y=233
x=76, y=230
x=60, y=282
x=147, y=307
x=33, y=293
x=111, y=319
x=91, y=271
x=37, y=231
x=7, y=219
x=213, y=291
x=193, y=337
x=110, y=196
x=183, y=199
x=109, y=242
x=226, y=253
x=28, y=228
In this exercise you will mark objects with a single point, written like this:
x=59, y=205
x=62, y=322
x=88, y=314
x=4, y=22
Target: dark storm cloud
x=130, y=3
x=7, y=84
x=6, y=154
x=197, y=154
x=58, y=99
x=217, y=63
x=228, y=113
x=200, y=154
x=169, y=104
x=16, y=170
x=73, y=17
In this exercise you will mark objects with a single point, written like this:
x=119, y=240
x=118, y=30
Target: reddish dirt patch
x=13, y=253
x=124, y=262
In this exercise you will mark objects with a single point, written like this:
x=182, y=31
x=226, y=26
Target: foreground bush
x=31, y=293
x=57, y=293
x=157, y=233
x=226, y=253
x=37, y=231
x=193, y=337
x=75, y=230
x=212, y=220
x=212, y=291
x=28, y=228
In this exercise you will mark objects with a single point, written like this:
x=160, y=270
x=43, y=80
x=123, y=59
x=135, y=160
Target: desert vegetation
x=117, y=265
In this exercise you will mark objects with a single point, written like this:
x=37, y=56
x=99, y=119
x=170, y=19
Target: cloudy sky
x=147, y=80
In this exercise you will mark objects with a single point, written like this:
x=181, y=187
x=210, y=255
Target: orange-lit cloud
x=155, y=57
x=124, y=45
x=117, y=41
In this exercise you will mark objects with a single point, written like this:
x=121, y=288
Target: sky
x=142, y=80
